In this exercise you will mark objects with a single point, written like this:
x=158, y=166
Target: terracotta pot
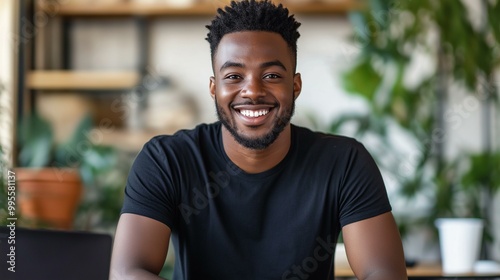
x=48, y=196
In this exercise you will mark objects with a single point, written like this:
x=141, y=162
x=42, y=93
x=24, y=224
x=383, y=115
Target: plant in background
x=483, y=173
x=394, y=37
x=104, y=176
x=97, y=166
x=38, y=147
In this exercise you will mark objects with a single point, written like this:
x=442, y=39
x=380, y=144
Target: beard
x=258, y=143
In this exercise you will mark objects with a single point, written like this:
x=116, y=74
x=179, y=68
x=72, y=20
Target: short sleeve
x=150, y=189
x=363, y=194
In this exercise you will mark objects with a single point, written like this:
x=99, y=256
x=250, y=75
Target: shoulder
x=308, y=138
x=183, y=146
x=186, y=138
x=321, y=148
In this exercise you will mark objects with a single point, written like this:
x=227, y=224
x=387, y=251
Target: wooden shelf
x=317, y=8
x=82, y=80
x=200, y=9
x=127, y=140
x=425, y=271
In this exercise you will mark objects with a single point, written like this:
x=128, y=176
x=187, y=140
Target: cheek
x=225, y=91
x=222, y=98
x=286, y=95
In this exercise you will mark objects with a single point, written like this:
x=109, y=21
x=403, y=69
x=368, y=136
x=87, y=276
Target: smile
x=254, y=113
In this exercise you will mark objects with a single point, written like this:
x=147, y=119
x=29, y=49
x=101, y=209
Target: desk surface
x=423, y=270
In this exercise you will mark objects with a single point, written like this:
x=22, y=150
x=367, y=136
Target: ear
x=297, y=85
x=211, y=87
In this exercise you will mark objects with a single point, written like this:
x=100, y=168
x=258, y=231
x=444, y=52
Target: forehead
x=252, y=46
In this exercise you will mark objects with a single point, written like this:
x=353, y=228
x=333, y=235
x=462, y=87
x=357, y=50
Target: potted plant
x=84, y=178
x=49, y=187
x=457, y=53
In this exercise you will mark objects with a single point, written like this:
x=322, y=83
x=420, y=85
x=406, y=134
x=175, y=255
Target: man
x=252, y=196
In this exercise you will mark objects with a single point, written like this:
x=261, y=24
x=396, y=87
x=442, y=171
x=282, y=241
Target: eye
x=272, y=76
x=232, y=77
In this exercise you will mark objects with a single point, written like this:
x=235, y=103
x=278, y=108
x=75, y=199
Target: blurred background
x=85, y=83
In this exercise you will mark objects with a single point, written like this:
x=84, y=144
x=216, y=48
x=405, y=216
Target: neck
x=256, y=161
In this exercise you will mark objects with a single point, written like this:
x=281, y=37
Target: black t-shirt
x=279, y=224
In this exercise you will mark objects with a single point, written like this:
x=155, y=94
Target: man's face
x=254, y=86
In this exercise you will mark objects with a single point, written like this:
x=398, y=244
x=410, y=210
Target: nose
x=253, y=89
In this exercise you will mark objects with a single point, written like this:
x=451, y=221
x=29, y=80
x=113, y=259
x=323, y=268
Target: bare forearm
x=136, y=257
x=386, y=275
x=134, y=274
x=374, y=248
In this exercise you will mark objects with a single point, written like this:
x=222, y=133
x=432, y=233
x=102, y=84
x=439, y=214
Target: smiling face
x=254, y=86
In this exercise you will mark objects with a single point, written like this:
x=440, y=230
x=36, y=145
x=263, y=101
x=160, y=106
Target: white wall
x=179, y=50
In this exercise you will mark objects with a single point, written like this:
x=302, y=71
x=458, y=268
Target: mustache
x=249, y=102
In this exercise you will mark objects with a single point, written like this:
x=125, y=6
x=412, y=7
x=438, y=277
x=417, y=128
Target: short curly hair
x=252, y=15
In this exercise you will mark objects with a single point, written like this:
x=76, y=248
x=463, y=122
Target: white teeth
x=254, y=114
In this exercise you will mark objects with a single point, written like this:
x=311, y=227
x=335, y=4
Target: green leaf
x=483, y=172
x=362, y=79
x=35, y=141
x=358, y=21
x=71, y=153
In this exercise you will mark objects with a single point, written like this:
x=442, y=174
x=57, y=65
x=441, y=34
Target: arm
x=374, y=248
x=139, y=249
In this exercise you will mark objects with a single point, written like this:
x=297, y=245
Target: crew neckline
x=261, y=175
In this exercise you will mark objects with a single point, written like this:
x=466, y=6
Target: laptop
x=54, y=254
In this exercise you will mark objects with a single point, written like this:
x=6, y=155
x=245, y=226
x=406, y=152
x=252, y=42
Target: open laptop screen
x=51, y=254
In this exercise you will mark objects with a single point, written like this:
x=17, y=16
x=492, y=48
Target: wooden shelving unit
x=56, y=80
x=198, y=9
x=127, y=140
x=82, y=80
x=59, y=80
x=76, y=80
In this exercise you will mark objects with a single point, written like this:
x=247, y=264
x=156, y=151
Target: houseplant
x=53, y=174
x=49, y=190
x=393, y=36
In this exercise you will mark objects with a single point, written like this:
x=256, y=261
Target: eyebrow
x=231, y=64
x=273, y=63
x=263, y=65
